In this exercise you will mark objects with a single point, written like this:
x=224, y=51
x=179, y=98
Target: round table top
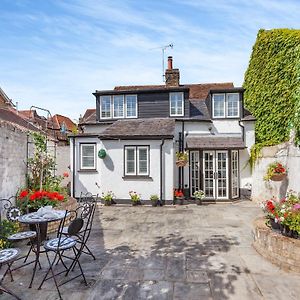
x=35, y=218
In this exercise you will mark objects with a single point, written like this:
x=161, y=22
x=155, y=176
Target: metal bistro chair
x=59, y=245
x=7, y=257
x=12, y=214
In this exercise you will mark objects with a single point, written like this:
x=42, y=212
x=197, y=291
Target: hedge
x=272, y=86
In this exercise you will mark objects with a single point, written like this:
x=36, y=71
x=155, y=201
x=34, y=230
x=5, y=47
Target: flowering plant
x=109, y=196
x=135, y=197
x=199, y=194
x=36, y=199
x=275, y=168
x=178, y=193
x=182, y=155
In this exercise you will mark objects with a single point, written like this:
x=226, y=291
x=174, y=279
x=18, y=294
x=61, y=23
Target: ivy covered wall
x=272, y=83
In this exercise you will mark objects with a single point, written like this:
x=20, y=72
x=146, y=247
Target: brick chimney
x=172, y=75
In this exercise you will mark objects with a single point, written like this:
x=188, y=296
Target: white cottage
x=129, y=141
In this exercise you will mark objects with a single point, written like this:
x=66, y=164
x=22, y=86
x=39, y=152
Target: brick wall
x=13, y=154
x=280, y=250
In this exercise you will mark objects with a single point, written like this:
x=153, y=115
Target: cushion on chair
x=65, y=243
x=6, y=255
x=22, y=235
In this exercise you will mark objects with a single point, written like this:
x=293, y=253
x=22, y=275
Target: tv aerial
x=163, y=49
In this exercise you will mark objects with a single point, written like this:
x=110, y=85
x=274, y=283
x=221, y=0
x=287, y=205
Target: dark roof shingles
x=215, y=142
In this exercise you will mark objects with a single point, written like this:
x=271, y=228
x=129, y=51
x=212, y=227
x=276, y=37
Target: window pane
x=232, y=105
x=105, y=107
x=87, y=156
x=118, y=106
x=143, y=160
x=131, y=104
x=130, y=161
x=218, y=105
x=176, y=104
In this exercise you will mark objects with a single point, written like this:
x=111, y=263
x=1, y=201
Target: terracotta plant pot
x=278, y=177
x=199, y=201
x=107, y=203
x=181, y=163
x=274, y=225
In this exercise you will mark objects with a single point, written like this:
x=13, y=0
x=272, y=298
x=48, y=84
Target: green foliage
x=182, y=156
x=154, y=197
x=6, y=229
x=272, y=87
x=109, y=196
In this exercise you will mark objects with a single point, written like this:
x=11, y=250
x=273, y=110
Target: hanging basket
x=181, y=163
x=278, y=177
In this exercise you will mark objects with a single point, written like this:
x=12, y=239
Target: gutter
x=161, y=169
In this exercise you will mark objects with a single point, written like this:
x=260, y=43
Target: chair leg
x=89, y=251
x=53, y=274
x=7, y=291
x=8, y=270
x=27, y=255
x=82, y=272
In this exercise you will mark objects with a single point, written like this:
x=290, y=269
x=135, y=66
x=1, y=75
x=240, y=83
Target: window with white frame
x=131, y=106
x=88, y=156
x=105, y=107
x=176, y=104
x=232, y=105
x=118, y=101
x=136, y=160
x=226, y=105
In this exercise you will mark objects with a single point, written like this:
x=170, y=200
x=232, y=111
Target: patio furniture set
x=69, y=244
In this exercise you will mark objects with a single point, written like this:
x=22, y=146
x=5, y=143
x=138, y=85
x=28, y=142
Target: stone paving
x=172, y=252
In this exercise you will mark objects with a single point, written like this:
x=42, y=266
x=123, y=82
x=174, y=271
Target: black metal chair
x=59, y=245
x=7, y=257
x=12, y=214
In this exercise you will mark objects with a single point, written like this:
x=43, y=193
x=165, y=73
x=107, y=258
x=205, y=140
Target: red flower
x=66, y=174
x=23, y=194
x=32, y=197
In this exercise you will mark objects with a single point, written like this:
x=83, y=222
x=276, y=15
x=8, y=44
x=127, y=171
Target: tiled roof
x=197, y=91
x=13, y=117
x=145, y=128
x=59, y=120
x=214, y=142
x=89, y=116
x=198, y=110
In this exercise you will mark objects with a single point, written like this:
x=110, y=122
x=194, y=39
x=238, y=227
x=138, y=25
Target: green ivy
x=272, y=87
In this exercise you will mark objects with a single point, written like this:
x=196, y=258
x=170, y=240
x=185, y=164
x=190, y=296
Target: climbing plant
x=272, y=87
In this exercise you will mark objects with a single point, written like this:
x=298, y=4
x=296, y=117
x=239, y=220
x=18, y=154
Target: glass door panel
x=234, y=173
x=208, y=174
x=195, y=171
x=222, y=174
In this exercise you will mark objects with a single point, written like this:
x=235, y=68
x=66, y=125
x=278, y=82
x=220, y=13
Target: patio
x=173, y=252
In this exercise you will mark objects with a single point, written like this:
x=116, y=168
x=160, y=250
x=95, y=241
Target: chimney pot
x=170, y=63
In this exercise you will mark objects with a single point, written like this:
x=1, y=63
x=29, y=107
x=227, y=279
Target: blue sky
x=55, y=53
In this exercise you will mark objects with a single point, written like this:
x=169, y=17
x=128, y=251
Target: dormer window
x=176, y=104
x=226, y=105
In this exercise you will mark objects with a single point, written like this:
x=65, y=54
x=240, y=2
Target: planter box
x=181, y=163
x=278, y=177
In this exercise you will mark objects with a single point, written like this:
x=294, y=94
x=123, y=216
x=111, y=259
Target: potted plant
x=275, y=172
x=135, y=198
x=199, y=195
x=179, y=197
x=181, y=158
x=108, y=198
x=154, y=200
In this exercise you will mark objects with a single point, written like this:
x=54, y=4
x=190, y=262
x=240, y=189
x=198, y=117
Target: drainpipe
x=73, y=165
x=243, y=130
x=161, y=169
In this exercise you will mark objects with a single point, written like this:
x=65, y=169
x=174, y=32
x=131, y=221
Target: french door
x=215, y=174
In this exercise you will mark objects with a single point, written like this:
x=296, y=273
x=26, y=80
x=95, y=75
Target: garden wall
x=63, y=162
x=13, y=154
x=289, y=155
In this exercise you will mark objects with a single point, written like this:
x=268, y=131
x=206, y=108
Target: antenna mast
x=163, y=49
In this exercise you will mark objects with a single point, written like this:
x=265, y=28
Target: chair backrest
x=87, y=197
x=9, y=210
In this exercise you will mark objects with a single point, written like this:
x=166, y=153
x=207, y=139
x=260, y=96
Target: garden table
x=36, y=219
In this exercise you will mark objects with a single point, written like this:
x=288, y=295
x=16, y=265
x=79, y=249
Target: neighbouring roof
x=89, y=117
x=140, y=128
x=13, y=117
x=59, y=120
x=214, y=142
x=5, y=98
x=197, y=91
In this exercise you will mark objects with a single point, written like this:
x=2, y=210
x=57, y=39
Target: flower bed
x=278, y=249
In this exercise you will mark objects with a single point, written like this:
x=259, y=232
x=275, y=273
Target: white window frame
x=238, y=108
x=182, y=105
x=81, y=156
x=111, y=107
x=238, y=172
x=137, y=161
x=213, y=105
x=136, y=107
